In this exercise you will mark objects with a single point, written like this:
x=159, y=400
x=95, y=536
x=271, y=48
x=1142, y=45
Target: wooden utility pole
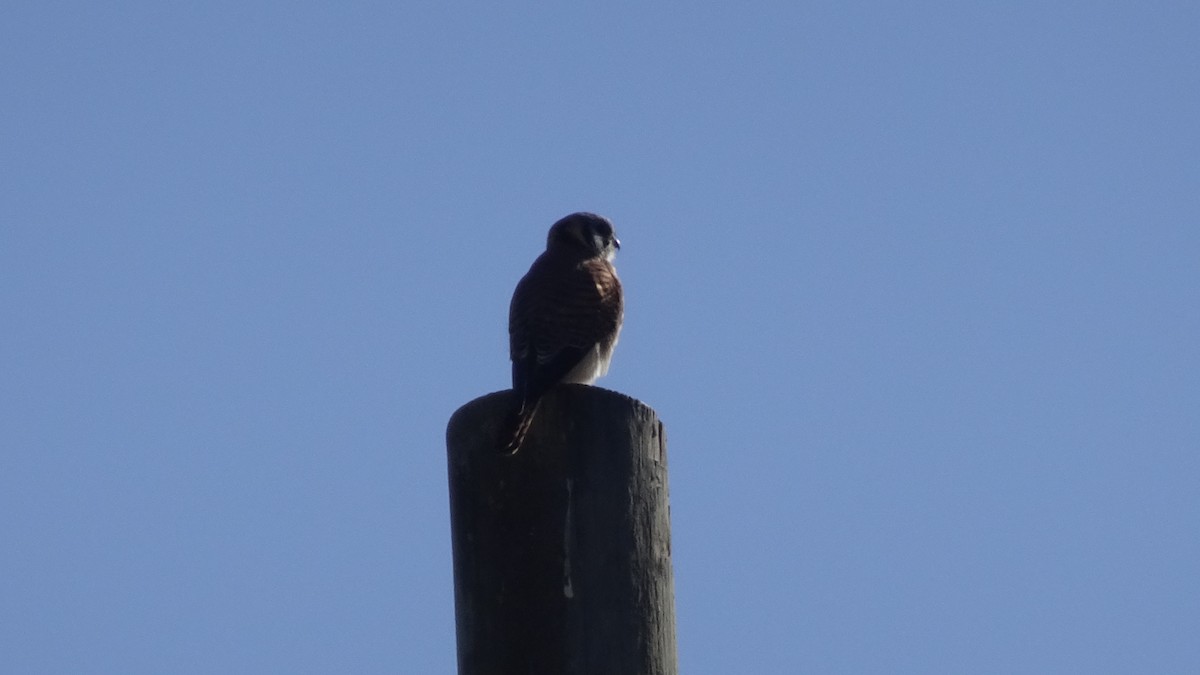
x=562, y=552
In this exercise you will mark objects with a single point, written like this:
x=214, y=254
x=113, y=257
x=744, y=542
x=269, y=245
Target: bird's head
x=586, y=235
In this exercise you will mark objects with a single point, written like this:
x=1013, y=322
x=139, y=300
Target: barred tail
x=518, y=426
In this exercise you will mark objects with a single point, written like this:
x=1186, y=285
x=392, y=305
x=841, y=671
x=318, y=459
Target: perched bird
x=565, y=316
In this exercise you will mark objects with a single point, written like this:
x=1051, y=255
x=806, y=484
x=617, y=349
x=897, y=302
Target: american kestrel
x=565, y=316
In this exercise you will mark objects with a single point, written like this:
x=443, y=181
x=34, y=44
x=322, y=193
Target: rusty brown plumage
x=565, y=316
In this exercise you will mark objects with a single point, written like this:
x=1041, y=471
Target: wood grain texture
x=562, y=552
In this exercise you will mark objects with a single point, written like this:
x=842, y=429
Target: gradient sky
x=914, y=287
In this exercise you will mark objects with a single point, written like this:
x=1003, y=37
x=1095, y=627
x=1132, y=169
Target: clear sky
x=915, y=288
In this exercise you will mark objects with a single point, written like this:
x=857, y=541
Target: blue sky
x=914, y=288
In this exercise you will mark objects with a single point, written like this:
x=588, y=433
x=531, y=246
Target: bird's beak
x=616, y=243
